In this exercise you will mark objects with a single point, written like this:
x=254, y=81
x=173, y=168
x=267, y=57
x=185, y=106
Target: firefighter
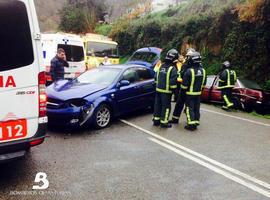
x=165, y=78
x=193, y=81
x=157, y=66
x=179, y=65
x=182, y=93
x=227, y=79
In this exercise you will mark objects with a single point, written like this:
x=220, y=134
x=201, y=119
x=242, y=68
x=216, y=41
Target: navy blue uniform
x=193, y=82
x=166, y=77
x=227, y=79
x=181, y=96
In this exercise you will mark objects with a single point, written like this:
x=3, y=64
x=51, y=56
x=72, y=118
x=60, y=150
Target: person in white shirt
x=106, y=61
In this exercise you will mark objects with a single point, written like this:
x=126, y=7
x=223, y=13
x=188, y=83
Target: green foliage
x=124, y=59
x=81, y=16
x=267, y=116
x=211, y=26
x=267, y=85
x=247, y=47
x=72, y=20
x=103, y=29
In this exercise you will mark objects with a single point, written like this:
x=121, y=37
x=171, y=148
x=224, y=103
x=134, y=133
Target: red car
x=247, y=95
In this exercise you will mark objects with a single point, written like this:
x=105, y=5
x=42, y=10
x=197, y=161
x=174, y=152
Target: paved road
x=227, y=158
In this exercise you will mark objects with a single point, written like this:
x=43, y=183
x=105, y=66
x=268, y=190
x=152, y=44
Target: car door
x=206, y=93
x=216, y=95
x=146, y=87
x=126, y=96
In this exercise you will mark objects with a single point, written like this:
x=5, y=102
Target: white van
x=22, y=84
x=74, y=49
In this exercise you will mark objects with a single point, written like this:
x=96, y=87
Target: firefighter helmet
x=195, y=57
x=190, y=51
x=172, y=55
x=226, y=64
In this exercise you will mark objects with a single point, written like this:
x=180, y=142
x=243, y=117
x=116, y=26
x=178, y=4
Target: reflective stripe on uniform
x=167, y=90
x=156, y=118
x=189, y=122
x=168, y=78
x=194, y=93
x=224, y=87
x=234, y=74
x=173, y=86
x=228, y=77
x=184, y=87
x=229, y=104
x=166, y=120
x=163, y=91
x=174, y=117
x=192, y=80
x=204, y=77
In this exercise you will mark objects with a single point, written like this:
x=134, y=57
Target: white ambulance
x=22, y=83
x=74, y=49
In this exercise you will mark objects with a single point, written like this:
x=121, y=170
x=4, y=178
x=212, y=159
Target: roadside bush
x=213, y=27
x=103, y=29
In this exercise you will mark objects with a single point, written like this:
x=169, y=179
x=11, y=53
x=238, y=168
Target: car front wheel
x=103, y=116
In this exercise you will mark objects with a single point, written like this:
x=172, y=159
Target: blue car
x=147, y=56
x=100, y=94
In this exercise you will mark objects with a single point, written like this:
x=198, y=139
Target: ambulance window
x=16, y=48
x=73, y=53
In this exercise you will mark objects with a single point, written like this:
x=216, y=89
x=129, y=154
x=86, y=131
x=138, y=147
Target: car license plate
x=13, y=129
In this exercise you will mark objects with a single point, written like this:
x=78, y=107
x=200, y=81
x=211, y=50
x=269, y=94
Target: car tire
x=237, y=103
x=102, y=116
x=260, y=110
x=246, y=108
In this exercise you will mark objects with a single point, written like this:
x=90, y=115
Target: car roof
x=123, y=66
x=150, y=49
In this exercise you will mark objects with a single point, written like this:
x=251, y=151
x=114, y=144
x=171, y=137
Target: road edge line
x=235, y=117
x=212, y=168
x=214, y=162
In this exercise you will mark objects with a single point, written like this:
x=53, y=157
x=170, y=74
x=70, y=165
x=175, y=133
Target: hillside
x=235, y=30
x=48, y=11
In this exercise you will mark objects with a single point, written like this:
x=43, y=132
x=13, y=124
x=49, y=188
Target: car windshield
x=144, y=56
x=103, y=76
x=250, y=84
x=100, y=49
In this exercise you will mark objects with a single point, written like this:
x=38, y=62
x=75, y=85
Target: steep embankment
x=236, y=30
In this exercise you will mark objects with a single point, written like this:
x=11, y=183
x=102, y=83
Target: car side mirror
x=123, y=83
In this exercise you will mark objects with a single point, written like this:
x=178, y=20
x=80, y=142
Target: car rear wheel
x=246, y=108
x=103, y=116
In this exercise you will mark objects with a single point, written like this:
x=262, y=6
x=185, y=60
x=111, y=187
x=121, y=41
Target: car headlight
x=77, y=102
x=87, y=108
x=87, y=112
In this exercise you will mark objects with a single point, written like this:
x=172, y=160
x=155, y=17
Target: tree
x=81, y=16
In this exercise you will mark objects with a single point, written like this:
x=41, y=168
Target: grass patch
x=124, y=59
x=267, y=116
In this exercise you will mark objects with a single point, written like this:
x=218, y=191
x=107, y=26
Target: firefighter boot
x=174, y=121
x=190, y=127
x=156, y=122
x=165, y=125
